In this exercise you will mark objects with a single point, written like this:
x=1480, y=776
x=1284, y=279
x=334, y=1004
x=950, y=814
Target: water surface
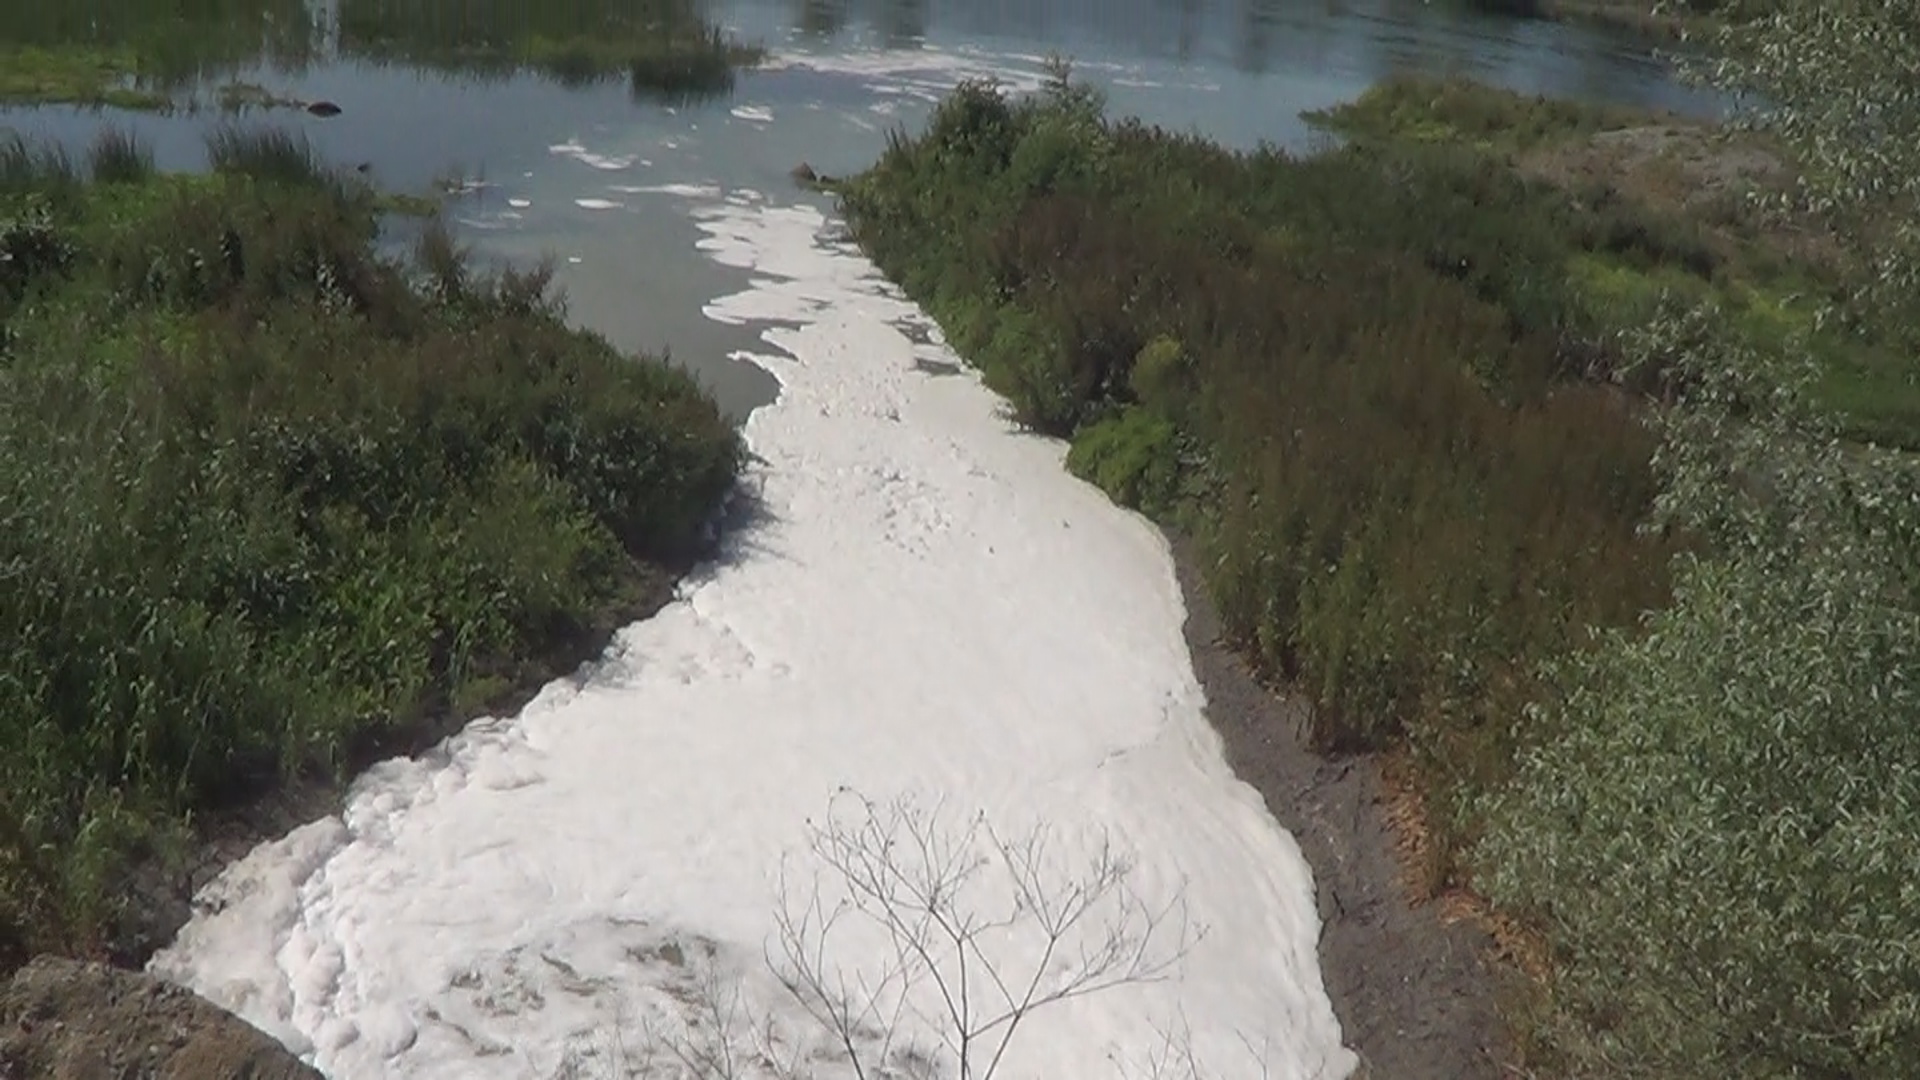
x=583, y=165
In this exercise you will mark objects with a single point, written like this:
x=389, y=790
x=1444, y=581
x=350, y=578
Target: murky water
x=586, y=171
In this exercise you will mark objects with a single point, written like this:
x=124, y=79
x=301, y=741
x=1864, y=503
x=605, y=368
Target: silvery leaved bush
x=1720, y=832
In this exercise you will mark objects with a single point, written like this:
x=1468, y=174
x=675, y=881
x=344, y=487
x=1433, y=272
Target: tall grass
x=265, y=497
x=43, y=168
x=265, y=153
x=119, y=156
x=666, y=50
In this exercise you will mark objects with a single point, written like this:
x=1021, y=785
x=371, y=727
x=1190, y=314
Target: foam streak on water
x=927, y=603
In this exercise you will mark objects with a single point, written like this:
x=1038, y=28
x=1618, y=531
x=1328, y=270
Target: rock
x=804, y=173
x=67, y=1020
x=323, y=108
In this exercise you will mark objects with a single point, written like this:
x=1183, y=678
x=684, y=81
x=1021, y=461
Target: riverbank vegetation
x=140, y=54
x=664, y=49
x=1672, y=19
x=266, y=495
x=1453, y=409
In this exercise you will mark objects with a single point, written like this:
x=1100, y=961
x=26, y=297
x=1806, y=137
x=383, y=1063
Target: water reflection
x=1365, y=38
x=163, y=45
x=663, y=49
x=820, y=20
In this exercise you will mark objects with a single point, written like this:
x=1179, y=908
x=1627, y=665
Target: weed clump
x=118, y=156
x=265, y=497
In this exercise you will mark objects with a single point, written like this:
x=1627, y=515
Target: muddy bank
x=1414, y=997
x=65, y=1019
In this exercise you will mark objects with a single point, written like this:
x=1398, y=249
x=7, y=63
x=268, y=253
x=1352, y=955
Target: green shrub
x=1719, y=835
x=1133, y=457
x=264, y=496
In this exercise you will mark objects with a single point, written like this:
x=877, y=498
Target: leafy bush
x=264, y=496
x=1720, y=837
x=1132, y=457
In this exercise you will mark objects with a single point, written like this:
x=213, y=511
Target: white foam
x=597, y=204
x=759, y=114
x=925, y=73
x=929, y=604
x=573, y=148
x=518, y=203
x=685, y=191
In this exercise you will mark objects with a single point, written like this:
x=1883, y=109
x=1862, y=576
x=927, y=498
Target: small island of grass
x=155, y=57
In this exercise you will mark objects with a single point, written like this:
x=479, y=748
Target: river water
x=920, y=607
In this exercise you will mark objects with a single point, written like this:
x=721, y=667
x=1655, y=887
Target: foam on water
x=924, y=73
x=573, y=149
x=926, y=603
x=703, y=191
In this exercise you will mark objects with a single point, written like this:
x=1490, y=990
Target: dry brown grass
x=1699, y=172
x=1404, y=808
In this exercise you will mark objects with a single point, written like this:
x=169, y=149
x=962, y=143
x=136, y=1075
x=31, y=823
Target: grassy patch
x=74, y=77
x=663, y=49
x=1463, y=112
x=265, y=496
x=142, y=54
x=1644, y=17
x=240, y=97
x=1650, y=206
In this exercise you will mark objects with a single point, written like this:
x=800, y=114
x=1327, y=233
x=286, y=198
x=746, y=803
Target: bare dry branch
x=960, y=905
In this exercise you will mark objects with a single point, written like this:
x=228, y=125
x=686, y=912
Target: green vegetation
x=665, y=49
x=1525, y=436
x=1671, y=18
x=141, y=54
x=1462, y=112
x=1718, y=840
x=156, y=54
x=266, y=498
x=1688, y=213
x=1352, y=376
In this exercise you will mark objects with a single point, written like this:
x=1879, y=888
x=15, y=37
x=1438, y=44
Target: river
x=918, y=606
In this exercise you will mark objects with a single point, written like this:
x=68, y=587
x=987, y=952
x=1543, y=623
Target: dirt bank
x=75, y=1021
x=1413, y=995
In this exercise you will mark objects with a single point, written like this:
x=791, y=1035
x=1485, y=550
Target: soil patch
x=64, y=1019
x=1414, y=996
